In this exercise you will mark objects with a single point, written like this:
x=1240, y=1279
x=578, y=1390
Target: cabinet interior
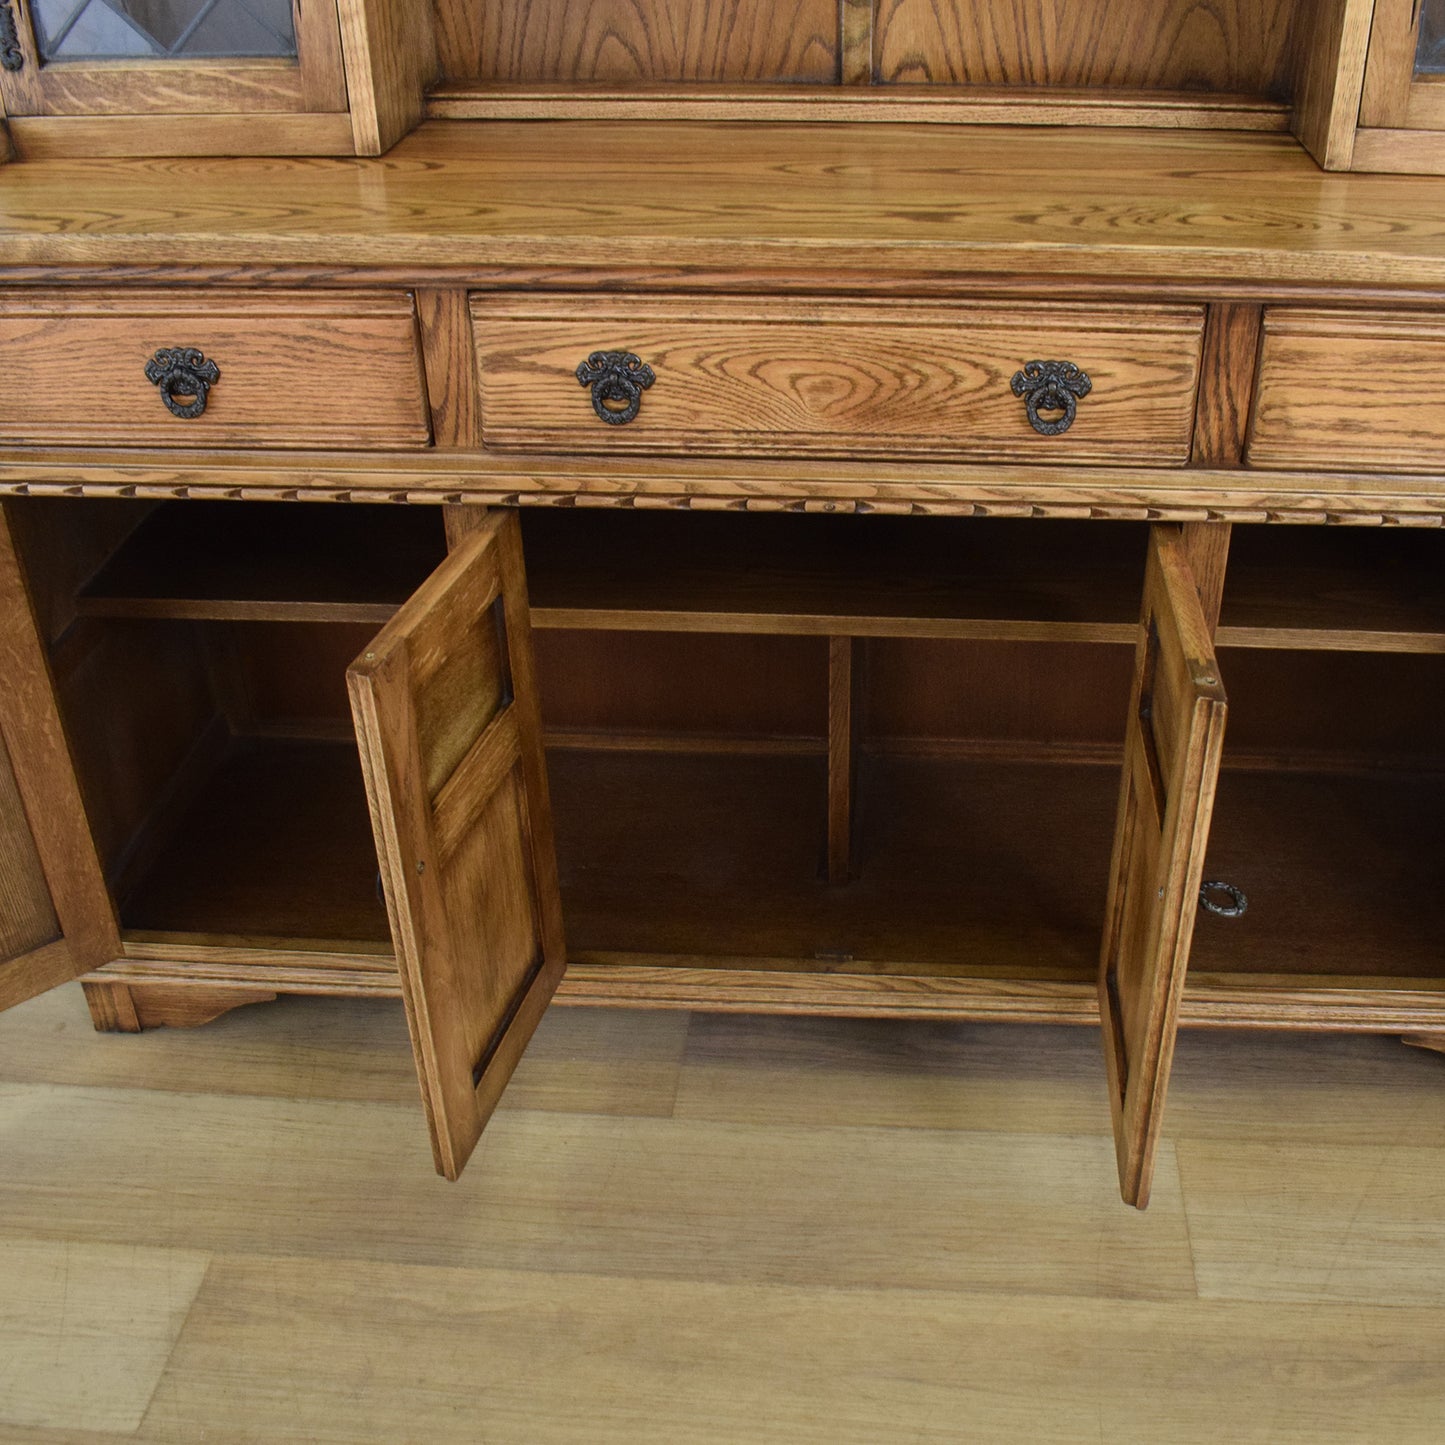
x=864, y=745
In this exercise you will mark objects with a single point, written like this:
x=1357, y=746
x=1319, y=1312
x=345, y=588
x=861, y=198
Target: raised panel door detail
x=446, y=713
x=1173, y=741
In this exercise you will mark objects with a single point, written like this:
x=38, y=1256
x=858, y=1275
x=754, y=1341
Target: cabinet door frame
x=1173, y=744
x=46, y=803
x=450, y=731
x=1393, y=98
x=313, y=83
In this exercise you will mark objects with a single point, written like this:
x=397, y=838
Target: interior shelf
x=1367, y=589
x=1356, y=589
x=963, y=869
x=860, y=577
x=269, y=561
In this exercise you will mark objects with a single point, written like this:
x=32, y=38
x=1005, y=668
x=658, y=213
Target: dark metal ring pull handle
x=1222, y=899
x=1051, y=386
x=617, y=379
x=182, y=371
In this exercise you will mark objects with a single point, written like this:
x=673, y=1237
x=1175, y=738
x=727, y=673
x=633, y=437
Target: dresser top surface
x=824, y=200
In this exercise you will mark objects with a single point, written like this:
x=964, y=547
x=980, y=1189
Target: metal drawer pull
x=1223, y=899
x=1052, y=386
x=180, y=372
x=617, y=379
x=12, y=57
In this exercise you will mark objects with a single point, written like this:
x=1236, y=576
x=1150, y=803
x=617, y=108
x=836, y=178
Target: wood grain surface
x=837, y=377
x=657, y=40
x=1220, y=45
x=294, y=370
x=447, y=716
x=1171, y=763
x=895, y=200
x=1359, y=389
x=880, y=487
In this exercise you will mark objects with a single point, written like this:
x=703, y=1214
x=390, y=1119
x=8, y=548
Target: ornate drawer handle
x=183, y=371
x=617, y=379
x=12, y=57
x=1222, y=899
x=1053, y=386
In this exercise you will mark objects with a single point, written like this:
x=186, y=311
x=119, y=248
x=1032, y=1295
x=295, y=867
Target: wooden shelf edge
x=231, y=610
x=899, y=103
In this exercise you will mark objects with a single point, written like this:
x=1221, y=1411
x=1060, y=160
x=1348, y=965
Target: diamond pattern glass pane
x=162, y=29
x=1430, y=57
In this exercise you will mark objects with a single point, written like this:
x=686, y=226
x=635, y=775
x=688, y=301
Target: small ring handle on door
x=1224, y=900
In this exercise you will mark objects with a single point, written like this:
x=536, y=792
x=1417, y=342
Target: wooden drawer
x=295, y=370
x=1350, y=389
x=837, y=378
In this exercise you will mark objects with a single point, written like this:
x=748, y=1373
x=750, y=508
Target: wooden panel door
x=1171, y=764
x=445, y=705
x=56, y=917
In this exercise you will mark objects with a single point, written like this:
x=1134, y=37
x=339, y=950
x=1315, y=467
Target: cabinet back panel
x=638, y=41
x=1341, y=708
x=693, y=683
x=1045, y=696
x=137, y=703
x=293, y=677
x=1237, y=46
x=1342, y=873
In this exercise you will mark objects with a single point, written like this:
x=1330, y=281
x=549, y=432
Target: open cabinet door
x=1171, y=764
x=445, y=705
x=56, y=917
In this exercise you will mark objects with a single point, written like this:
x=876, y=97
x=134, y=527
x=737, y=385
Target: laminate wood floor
x=711, y=1228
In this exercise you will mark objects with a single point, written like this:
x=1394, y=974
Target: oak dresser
x=783, y=496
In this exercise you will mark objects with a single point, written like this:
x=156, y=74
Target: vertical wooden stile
x=450, y=362
x=843, y=724
x=855, y=49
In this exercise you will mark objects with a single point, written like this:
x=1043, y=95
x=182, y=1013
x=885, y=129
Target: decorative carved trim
x=1122, y=510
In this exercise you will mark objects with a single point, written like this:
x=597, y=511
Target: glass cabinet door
x=1405, y=70
x=1430, y=50
x=148, y=59
x=162, y=29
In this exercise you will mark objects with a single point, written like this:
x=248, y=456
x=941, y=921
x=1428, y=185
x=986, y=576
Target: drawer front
x=841, y=379
x=294, y=370
x=1350, y=390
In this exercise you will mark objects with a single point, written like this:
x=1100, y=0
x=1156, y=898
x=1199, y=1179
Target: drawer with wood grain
x=213, y=368
x=1011, y=382
x=1360, y=390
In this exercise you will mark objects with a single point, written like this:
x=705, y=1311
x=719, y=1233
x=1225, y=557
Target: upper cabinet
x=1402, y=108
x=1360, y=82
x=231, y=77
